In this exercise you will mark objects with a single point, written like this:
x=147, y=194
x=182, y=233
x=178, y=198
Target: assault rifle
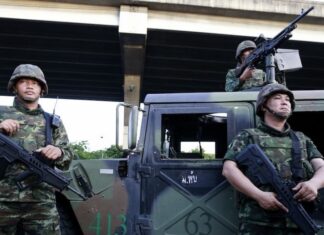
x=268, y=46
x=38, y=171
x=263, y=172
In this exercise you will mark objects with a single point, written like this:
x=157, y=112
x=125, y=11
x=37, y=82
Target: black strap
x=3, y=166
x=48, y=128
x=296, y=163
x=48, y=138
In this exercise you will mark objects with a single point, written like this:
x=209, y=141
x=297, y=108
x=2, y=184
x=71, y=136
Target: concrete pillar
x=132, y=35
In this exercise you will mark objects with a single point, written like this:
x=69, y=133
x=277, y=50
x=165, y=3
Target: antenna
x=55, y=105
x=55, y=118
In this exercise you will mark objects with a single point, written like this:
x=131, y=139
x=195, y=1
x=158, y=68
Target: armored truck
x=171, y=180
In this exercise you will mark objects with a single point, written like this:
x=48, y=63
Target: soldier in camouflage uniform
x=251, y=77
x=33, y=208
x=260, y=212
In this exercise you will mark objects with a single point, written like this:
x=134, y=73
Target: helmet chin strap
x=278, y=114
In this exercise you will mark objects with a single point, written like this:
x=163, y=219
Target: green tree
x=114, y=152
x=80, y=150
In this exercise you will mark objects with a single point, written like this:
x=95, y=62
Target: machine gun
x=263, y=172
x=267, y=47
x=38, y=171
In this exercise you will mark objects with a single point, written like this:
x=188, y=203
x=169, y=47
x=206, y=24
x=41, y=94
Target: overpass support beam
x=132, y=35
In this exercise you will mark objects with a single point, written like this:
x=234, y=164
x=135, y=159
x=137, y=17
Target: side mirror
x=132, y=125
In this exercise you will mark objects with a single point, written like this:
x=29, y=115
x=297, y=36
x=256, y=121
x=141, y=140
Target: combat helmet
x=29, y=71
x=270, y=90
x=243, y=46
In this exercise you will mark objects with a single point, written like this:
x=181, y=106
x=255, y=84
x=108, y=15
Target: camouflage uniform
x=233, y=82
x=277, y=146
x=258, y=78
x=34, y=207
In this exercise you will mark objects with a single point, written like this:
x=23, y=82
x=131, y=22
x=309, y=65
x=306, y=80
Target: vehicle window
x=194, y=136
x=311, y=124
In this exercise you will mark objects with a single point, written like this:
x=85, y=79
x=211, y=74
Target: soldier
x=27, y=124
x=260, y=212
x=251, y=78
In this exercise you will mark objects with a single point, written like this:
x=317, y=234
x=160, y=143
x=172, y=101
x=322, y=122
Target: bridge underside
x=99, y=62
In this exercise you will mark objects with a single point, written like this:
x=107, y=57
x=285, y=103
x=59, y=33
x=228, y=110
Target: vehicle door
x=104, y=184
x=182, y=187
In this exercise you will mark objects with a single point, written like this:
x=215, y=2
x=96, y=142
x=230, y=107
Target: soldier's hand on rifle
x=247, y=74
x=51, y=152
x=9, y=126
x=305, y=191
x=269, y=201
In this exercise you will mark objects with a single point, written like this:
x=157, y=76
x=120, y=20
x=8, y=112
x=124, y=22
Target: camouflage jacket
x=233, y=84
x=31, y=136
x=278, y=147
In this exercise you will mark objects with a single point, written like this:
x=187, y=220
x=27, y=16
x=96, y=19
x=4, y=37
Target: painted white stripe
x=59, y=12
x=107, y=171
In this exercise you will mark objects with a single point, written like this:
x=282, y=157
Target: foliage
x=207, y=156
x=81, y=151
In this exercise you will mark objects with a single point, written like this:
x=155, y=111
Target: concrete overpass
x=123, y=50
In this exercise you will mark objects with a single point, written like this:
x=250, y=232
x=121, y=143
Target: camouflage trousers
x=30, y=217
x=255, y=229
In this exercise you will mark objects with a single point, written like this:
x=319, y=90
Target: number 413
x=120, y=230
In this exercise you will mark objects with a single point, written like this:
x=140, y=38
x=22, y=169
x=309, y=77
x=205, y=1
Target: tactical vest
x=290, y=158
x=287, y=153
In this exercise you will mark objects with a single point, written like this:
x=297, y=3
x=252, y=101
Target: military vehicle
x=170, y=182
